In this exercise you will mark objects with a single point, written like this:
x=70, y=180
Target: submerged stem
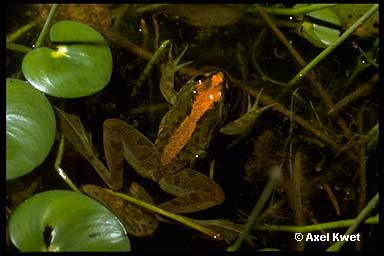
x=294, y=11
x=58, y=169
x=18, y=47
x=315, y=227
x=362, y=215
x=44, y=31
x=18, y=33
x=149, y=66
x=275, y=174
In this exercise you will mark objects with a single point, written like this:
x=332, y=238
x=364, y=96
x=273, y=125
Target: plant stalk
x=294, y=11
x=44, y=31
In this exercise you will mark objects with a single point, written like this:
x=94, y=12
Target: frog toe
x=177, y=60
x=174, y=63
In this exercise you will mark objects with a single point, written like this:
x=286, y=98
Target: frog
x=198, y=111
x=185, y=129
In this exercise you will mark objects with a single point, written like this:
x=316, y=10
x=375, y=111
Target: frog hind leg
x=122, y=140
x=136, y=220
x=194, y=191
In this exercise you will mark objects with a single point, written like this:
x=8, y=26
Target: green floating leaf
x=60, y=220
x=31, y=127
x=80, y=65
x=320, y=35
x=326, y=35
x=349, y=13
x=326, y=15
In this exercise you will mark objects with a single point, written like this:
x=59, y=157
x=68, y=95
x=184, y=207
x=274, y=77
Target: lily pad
x=80, y=65
x=325, y=34
x=349, y=13
x=60, y=220
x=31, y=127
x=320, y=35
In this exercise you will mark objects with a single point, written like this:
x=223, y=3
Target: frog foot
x=173, y=64
x=243, y=123
x=168, y=70
x=193, y=190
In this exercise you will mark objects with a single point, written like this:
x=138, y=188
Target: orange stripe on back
x=206, y=97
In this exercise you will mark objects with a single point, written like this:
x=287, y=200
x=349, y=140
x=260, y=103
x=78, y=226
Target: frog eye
x=199, y=79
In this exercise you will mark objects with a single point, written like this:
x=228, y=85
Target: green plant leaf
x=325, y=14
x=326, y=35
x=31, y=127
x=349, y=13
x=60, y=220
x=319, y=35
x=80, y=65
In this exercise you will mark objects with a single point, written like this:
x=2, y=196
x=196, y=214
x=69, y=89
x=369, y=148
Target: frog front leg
x=242, y=124
x=168, y=70
x=193, y=190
